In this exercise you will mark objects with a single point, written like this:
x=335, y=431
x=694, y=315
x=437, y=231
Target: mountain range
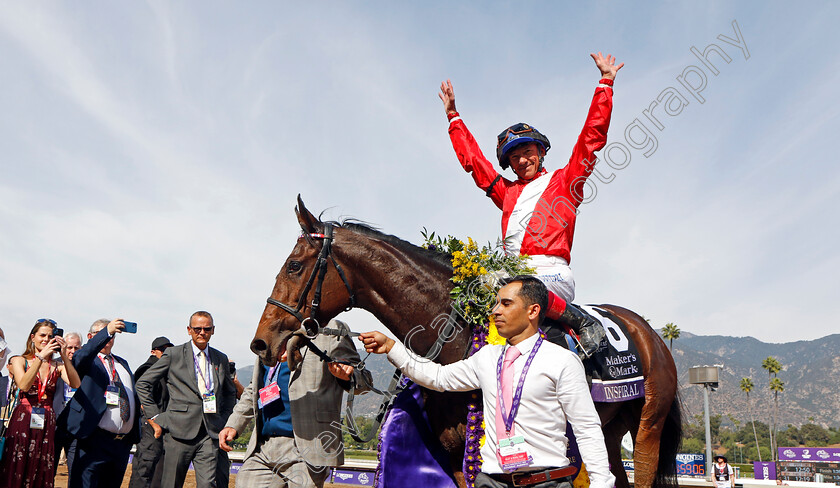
x=810, y=372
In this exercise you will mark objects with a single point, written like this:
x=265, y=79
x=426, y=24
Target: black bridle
x=310, y=324
x=313, y=328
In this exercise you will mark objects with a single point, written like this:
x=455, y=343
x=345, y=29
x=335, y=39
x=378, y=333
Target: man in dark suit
x=201, y=398
x=146, y=468
x=104, y=413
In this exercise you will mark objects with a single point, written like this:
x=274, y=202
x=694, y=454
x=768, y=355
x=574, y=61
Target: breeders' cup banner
x=817, y=454
x=346, y=476
x=617, y=374
x=764, y=470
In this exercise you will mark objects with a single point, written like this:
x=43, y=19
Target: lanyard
x=41, y=386
x=112, y=371
x=517, y=396
x=207, y=381
x=273, y=373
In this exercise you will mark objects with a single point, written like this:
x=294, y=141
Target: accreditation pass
x=512, y=453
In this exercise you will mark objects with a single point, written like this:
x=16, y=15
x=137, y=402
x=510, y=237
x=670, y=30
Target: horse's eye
x=294, y=267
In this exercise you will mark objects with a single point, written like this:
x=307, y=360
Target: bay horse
x=404, y=285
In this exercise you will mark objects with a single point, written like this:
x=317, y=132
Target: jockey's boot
x=589, y=331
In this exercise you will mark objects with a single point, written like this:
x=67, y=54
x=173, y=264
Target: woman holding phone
x=29, y=456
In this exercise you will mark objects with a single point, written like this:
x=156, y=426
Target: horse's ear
x=307, y=221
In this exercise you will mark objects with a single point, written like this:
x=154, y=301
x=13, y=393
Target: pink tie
x=507, y=391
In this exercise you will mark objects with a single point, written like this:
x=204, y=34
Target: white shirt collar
x=526, y=345
x=196, y=350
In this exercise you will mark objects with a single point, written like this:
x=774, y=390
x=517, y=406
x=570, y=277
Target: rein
x=397, y=384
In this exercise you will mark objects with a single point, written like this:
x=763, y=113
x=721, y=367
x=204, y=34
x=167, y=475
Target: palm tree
x=747, y=386
x=773, y=367
x=671, y=332
x=776, y=386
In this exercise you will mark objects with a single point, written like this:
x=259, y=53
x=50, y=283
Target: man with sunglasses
x=539, y=208
x=201, y=398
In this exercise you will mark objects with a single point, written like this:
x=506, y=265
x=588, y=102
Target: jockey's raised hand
x=376, y=342
x=447, y=95
x=604, y=63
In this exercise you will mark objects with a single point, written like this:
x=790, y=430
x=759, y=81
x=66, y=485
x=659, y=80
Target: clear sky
x=152, y=152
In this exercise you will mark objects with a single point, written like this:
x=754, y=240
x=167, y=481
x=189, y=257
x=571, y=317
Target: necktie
x=507, y=391
x=202, y=364
x=125, y=411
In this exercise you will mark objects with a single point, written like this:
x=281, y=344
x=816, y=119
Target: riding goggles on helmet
x=516, y=135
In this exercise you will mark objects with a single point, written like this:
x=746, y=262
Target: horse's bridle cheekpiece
x=313, y=328
x=310, y=324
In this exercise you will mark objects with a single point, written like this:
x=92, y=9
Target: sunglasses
x=203, y=329
x=48, y=321
x=516, y=129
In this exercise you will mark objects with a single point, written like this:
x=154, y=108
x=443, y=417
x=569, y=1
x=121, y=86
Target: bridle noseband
x=310, y=324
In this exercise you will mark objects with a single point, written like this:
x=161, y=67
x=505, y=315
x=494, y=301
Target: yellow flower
x=493, y=336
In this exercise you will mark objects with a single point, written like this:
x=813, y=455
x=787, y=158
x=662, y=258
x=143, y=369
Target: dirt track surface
x=61, y=479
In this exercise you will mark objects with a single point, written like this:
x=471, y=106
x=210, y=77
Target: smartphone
x=232, y=369
x=57, y=332
x=130, y=327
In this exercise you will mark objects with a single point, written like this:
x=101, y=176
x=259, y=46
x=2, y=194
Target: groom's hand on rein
x=340, y=371
x=376, y=342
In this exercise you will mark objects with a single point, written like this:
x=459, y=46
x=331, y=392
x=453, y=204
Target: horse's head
x=288, y=318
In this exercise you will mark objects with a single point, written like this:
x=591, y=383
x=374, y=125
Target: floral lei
x=476, y=274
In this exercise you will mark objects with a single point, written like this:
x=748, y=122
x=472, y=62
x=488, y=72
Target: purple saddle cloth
x=408, y=450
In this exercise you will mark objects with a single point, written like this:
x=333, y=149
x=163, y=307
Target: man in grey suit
x=201, y=398
x=297, y=435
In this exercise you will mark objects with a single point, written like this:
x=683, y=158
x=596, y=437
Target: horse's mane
x=366, y=229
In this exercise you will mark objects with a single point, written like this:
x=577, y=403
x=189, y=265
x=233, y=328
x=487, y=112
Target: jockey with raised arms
x=539, y=208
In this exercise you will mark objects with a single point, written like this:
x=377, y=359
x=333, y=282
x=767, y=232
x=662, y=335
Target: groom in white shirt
x=542, y=385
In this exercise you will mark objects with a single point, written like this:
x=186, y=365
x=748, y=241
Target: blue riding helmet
x=517, y=135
